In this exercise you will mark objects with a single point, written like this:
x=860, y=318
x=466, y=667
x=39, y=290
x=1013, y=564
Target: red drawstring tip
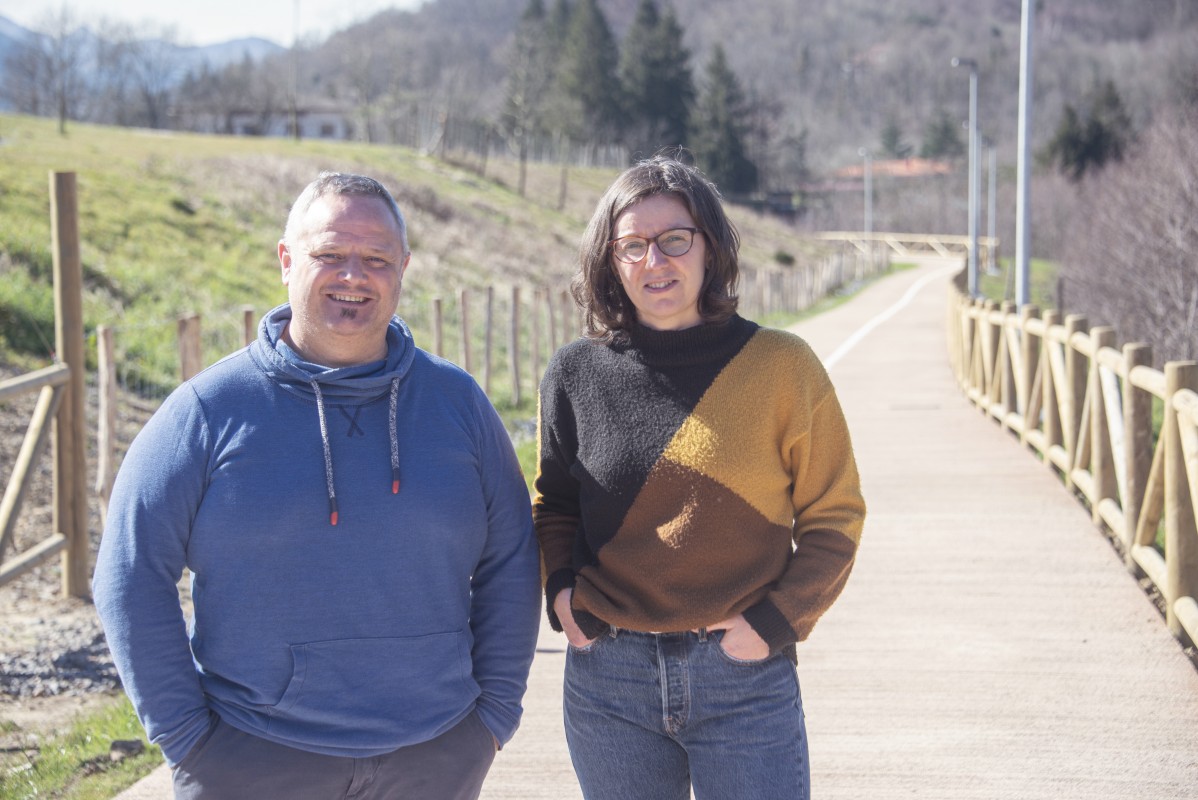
x=333, y=518
x=394, y=487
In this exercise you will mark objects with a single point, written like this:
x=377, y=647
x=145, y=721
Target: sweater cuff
x=562, y=579
x=593, y=627
x=771, y=625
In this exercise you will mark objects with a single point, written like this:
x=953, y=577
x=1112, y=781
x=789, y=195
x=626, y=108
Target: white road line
x=867, y=328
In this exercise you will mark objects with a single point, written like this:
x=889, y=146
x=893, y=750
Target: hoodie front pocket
x=368, y=684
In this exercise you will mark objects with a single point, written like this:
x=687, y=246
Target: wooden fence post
x=249, y=322
x=70, y=459
x=1137, y=444
x=438, y=337
x=1029, y=352
x=1049, y=403
x=1007, y=386
x=191, y=359
x=569, y=322
x=489, y=340
x=1102, y=460
x=1074, y=393
x=106, y=429
x=991, y=369
x=547, y=295
x=464, y=314
x=1181, y=540
x=513, y=348
x=534, y=344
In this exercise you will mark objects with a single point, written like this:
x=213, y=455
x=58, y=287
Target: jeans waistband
x=700, y=634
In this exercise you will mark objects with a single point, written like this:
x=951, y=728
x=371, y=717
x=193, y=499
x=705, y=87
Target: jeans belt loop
x=702, y=634
x=613, y=631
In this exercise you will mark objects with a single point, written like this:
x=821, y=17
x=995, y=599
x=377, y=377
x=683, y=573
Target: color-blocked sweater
x=689, y=476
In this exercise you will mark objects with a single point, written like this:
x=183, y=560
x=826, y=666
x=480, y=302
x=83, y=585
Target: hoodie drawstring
x=328, y=453
x=394, y=425
x=393, y=430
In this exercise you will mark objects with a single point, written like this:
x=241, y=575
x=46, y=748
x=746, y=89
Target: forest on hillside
x=819, y=80
x=773, y=97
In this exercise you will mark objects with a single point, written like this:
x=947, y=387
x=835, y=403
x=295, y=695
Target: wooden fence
x=540, y=319
x=1121, y=435
x=61, y=399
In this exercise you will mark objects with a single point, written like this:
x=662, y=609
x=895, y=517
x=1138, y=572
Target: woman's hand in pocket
x=561, y=607
x=740, y=640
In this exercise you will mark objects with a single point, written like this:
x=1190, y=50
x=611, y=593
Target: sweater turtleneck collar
x=688, y=346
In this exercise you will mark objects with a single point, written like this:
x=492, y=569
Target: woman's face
x=664, y=289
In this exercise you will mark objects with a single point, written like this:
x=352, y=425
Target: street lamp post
x=973, y=171
x=992, y=208
x=1023, y=231
x=869, y=197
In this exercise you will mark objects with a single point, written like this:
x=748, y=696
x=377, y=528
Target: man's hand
x=561, y=607
x=740, y=640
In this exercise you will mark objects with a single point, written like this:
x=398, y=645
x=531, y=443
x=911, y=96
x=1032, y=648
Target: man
x=364, y=573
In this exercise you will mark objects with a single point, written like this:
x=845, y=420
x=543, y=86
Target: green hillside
x=172, y=223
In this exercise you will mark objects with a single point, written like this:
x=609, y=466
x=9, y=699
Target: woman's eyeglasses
x=674, y=242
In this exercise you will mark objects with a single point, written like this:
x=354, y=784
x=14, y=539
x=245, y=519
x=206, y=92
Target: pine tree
x=1085, y=142
x=659, y=89
x=892, y=140
x=942, y=137
x=587, y=72
x=718, y=140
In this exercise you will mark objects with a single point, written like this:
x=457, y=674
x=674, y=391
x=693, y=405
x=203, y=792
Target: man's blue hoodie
x=363, y=568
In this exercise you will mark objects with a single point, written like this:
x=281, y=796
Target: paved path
x=989, y=644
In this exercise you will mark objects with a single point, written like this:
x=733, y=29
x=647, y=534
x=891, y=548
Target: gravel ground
x=54, y=661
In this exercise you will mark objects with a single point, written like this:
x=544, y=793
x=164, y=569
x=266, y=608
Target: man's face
x=343, y=273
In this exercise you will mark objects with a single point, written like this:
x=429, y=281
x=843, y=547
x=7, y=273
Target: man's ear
x=284, y=261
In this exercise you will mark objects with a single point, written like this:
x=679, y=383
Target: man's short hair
x=341, y=183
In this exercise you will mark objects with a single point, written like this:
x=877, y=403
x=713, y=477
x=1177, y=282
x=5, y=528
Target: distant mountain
x=10, y=35
x=11, y=31
x=218, y=55
x=192, y=56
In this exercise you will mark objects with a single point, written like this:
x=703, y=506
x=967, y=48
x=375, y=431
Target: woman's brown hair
x=606, y=307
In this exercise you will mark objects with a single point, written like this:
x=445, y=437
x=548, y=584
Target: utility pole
x=295, y=18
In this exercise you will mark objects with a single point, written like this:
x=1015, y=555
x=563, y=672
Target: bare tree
x=26, y=79
x=46, y=72
x=1133, y=257
x=113, y=63
x=529, y=74
x=150, y=57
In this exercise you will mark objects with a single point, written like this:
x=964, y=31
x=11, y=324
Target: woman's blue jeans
x=649, y=716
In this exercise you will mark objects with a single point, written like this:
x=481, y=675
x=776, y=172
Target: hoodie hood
x=364, y=381
x=360, y=382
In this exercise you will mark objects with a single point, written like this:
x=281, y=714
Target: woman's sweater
x=689, y=476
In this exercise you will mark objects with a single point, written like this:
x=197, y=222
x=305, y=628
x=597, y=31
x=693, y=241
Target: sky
x=203, y=22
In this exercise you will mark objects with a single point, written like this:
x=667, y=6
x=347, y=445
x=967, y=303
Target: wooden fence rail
x=549, y=319
x=51, y=382
x=1085, y=406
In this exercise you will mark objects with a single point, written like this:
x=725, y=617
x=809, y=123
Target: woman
x=697, y=505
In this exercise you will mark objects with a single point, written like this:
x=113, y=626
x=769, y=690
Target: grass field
x=174, y=223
